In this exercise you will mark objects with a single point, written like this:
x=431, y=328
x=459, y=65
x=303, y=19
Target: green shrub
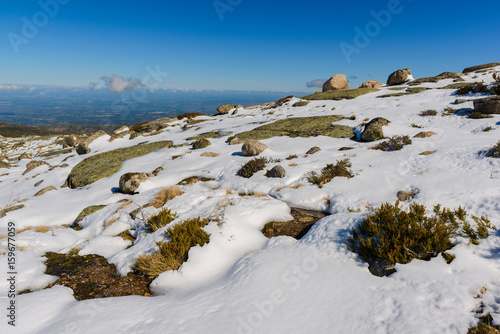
x=483, y=225
x=494, y=152
x=478, y=115
x=399, y=236
x=174, y=253
x=300, y=104
x=340, y=169
x=474, y=88
x=394, y=143
x=163, y=218
x=254, y=165
x=429, y=112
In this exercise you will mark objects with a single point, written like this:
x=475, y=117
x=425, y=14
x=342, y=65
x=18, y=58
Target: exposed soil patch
x=297, y=228
x=91, y=276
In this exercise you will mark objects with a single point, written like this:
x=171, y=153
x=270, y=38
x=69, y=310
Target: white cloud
x=118, y=84
x=11, y=87
x=316, y=83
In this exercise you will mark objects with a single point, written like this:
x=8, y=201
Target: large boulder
x=489, y=105
x=225, y=108
x=480, y=67
x=373, y=130
x=399, y=77
x=83, y=147
x=337, y=82
x=252, y=148
x=371, y=84
x=129, y=182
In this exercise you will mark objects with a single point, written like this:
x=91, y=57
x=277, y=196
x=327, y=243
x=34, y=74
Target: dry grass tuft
x=164, y=195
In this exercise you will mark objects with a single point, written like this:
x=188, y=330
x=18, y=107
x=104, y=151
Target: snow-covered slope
x=242, y=282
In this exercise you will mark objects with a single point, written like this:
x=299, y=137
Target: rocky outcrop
x=371, y=84
x=201, y=143
x=313, y=150
x=105, y=164
x=489, y=105
x=480, y=67
x=373, y=130
x=277, y=172
x=302, y=222
x=83, y=147
x=252, y=148
x=398, y=77
x=425, y=134
x=225, y=108
x=337, y=82
x=129, y=182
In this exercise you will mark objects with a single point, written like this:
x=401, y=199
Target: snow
x=242, y=282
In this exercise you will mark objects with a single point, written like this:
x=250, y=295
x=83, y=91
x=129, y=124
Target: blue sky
x=259, y=45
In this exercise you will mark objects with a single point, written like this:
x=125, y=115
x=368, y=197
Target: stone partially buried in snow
x=83, y=147
x=373, y=130
x=489, y=105
x=337, y=82
x=44, y=190
x=277, y=171
x=34, y=164
x=313, y=150
x=371, y=84
x=381, y=268
x=225, y=108
x=252, y=148
x=129, y=182
x=398, y=77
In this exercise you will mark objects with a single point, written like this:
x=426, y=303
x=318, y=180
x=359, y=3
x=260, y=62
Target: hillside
x=204, y=240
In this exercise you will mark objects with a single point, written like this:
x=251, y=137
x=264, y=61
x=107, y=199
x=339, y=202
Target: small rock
x=201, y=143
x=129, y=182
x=239, y=106
x=425, y=134
x=489, y=105
x=4, y=164
x=209, y=154
x=346, y=148
x=337, y=82
x=313, y=150
x=405, y=196
x=276, y=171
x=398, y=77
x=70, y=141
x=427, y=153
x=225, y=108
x=371, y=84
x=252, y=148
x=235, y=141
x=38, y=183
x=381, y=268
x=83, y=147
x=34, y=164
x=24, y=156
x=121, y=129
x=44, y=190
x=373, y=130
x=460, y=101
x=318, y=92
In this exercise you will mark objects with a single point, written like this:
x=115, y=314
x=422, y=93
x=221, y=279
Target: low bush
x=394, y=143
x=473, y=88
x=340, y=169
x=429, y=112
x=254, y=165
x=174, y=253
x=399, y=236
x=494, y=152
x=478, y=115
x=164, y=195
x=161, y=219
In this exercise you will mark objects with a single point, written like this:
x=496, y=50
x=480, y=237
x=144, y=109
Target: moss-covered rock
x=201, y=143
x=4, y=211
x=300, y=127
x=373, y=130
x=479, y=67
x=105, y=164
x=87, y=212
x=437, y=78
x=44, y=190
x=300, y=104
x=340, y=94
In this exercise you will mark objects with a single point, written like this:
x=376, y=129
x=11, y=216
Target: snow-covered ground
x=242, y=282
